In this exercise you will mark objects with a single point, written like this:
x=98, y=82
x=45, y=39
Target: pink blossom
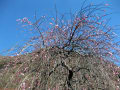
x=23, y=86
x=106, y=4
x=50, y=23
x=18, y=20
x=56, y=26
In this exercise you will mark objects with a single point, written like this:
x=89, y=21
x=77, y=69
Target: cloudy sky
x=11, y=10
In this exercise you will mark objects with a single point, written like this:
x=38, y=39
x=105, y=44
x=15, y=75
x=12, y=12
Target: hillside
x=56, y=69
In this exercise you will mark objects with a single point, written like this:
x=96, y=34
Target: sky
x=10, y=10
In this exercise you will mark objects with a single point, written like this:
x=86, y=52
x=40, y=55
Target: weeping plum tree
x=85, y=32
